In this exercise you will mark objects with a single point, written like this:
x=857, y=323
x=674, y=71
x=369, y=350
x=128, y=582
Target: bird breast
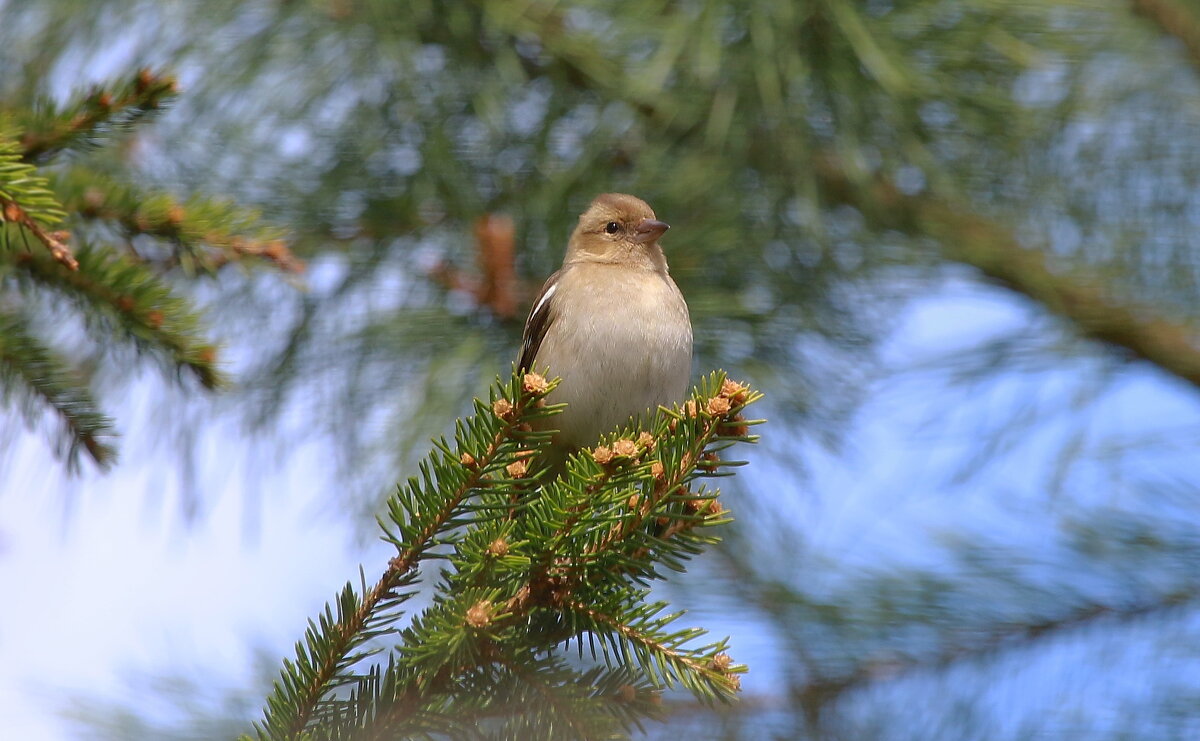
x=626, y=351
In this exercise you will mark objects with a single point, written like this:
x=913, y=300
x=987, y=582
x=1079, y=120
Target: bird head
x=618, y=228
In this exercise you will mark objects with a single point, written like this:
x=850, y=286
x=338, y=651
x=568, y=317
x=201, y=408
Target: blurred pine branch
x=120, y=298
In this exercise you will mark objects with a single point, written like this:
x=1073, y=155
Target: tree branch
x=1173, y=20
x=11, y=211
x=816, y=694
x=992, y=249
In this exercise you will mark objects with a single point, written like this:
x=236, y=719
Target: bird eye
x=612, y=227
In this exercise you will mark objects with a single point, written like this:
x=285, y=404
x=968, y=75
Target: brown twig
x=497, y=287
x=1173, y=20
x=53, y=241
x=495, y=236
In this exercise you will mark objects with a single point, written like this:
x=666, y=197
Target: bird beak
x=649, y=230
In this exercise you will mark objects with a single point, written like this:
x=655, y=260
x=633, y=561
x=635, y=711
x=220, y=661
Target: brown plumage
x=611, y=323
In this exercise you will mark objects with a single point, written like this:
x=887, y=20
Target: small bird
x=611, y=324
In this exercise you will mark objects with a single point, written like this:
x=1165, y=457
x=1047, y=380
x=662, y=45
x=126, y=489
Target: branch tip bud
x=503, y=408
x=535, y=383
x=479, y=615
x=517, y=469
x=625, y=448
x=646, y=440
x=718, y=406
x=734, y=391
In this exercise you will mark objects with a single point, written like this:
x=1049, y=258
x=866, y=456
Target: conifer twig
x=27, y=364
x=350, y=627
x=53, y=241
x=730, y=681
x=53, y=131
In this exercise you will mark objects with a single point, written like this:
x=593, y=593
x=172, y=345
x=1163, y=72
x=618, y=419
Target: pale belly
x=626, y=359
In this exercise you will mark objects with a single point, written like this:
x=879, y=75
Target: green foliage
x=535, y=568
x=120, y=295
x=20, y=183
x=33, y=373
x=49, y=128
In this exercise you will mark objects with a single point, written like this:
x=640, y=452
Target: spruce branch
x=30, y=369
x=117, y=295
x=202, y=234
x=663, y=654
x=533, y=566
x=27, y=201
x=419, y=513
x=89, y=118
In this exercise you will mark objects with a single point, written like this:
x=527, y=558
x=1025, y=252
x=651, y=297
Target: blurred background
x=953, y=243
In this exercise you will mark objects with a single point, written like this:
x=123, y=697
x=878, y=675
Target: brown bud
x=657, y=470
x=276, y=250
x=62, y=235
x=625, y=447
x=207, y=355
x=734, y=391
x=521, y=598
x=534, y=383
x=144, y=79
x=646, y=440
x=125, y=303
x=503, y=408
x=633, y=501
x=690, y=408
x=517, y=469
x=663, y=521
x=103, y=100
x=154, y=319
x=175, y=214
x=718, y=406
x=467, y=460
x=479, y=615
x=602, y=454
x=626, y=693
x=721, y=662
x=12, y=212
x=498, y=548
x=734, y=428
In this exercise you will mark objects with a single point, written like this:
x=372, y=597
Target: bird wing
x=541, y=316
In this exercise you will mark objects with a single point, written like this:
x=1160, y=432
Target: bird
x=611, y=324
